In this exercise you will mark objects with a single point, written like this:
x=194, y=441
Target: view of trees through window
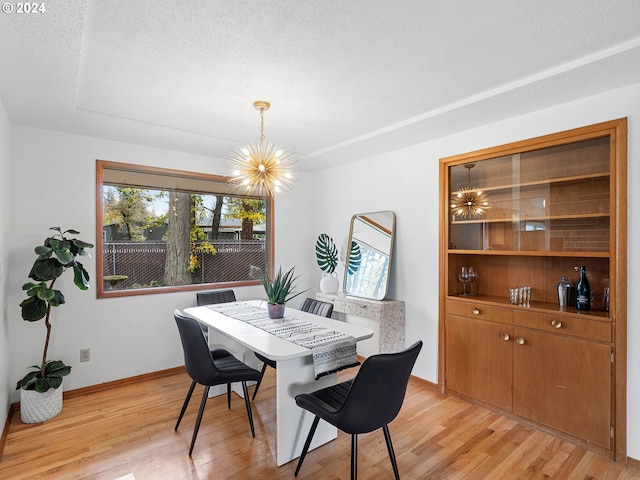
x=159, y=237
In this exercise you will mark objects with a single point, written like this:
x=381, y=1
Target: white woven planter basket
x=37, y=407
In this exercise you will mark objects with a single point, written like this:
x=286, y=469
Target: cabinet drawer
x=577, y=326
x=480, y=310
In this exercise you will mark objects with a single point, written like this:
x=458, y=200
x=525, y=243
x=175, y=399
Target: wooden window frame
x=102, y=165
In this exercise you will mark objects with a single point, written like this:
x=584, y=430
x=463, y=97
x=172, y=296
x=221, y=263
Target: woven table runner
x=332, y=351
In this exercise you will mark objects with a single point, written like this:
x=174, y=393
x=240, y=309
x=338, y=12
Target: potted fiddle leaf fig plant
x=40, y=389
x=280, y=291
x=327, y=258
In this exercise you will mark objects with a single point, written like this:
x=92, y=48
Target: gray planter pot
x=275, y=310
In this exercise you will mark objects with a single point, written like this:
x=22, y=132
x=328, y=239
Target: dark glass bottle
x=583, y=291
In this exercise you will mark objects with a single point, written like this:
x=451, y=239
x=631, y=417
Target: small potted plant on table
x=280, y=291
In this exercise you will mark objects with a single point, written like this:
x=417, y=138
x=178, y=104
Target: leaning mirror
x=368, y=256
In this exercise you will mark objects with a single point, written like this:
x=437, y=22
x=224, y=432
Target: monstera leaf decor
x=326, y=253
x=355, y=257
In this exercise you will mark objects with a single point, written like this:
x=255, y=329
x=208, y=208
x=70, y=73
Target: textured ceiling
x=346, y=79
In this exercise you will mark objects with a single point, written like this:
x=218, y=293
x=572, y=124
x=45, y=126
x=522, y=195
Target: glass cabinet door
x=554, y=199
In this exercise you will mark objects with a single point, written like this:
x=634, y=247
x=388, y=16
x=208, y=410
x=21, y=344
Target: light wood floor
x=129, y=429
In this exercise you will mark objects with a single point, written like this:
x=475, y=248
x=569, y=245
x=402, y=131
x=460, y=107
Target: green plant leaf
x=54, y=371
x=46, y=269
x=80, y=276
x=33, y=309
x=27, y=379
x=57, y=300
x=54, y=382
x=326, y=253
x=42, y=385
x=281, y=289
x=43, y=252
x=31, y=288
x=46, y=294
x=78, y=246
x=56, y=368
x=64, y=257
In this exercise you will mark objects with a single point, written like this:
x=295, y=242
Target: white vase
x=37, y=407
x=329, y=282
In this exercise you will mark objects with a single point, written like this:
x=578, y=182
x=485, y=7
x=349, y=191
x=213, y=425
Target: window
x=165, y=230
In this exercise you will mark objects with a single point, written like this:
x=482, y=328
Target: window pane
x=164, y=229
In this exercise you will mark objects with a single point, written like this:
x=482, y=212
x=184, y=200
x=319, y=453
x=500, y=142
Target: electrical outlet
x=84, y=354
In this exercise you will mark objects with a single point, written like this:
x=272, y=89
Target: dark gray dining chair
x=209, y=368
x=211, y=297
x=317, y=307
x=215, y=296
x=370, y=400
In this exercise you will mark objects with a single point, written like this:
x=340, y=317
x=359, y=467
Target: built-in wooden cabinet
x=537, y=209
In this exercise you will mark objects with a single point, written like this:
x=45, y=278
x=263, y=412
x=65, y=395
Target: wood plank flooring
x=129, y=429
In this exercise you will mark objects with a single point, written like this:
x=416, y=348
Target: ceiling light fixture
x=469, y=202
x=262, y=168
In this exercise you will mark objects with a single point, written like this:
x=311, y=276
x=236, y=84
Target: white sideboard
x=389, y=314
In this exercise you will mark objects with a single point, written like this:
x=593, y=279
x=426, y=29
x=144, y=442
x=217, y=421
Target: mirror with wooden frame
x=368, y=258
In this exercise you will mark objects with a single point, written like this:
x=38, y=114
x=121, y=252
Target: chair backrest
x=215, y=296
x=377, y=391
x=197, y=356
x=324, y=309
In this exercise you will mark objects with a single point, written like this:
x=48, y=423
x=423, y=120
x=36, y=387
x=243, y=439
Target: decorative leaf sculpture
x=355, y=257
x=326, y=253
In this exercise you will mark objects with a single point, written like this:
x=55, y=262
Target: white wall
x=406, y=181
x=53, y=183
x=6, y=381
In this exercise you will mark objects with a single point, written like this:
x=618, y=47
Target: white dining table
x=295, y=373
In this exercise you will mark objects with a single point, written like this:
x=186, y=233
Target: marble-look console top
x=388, y=313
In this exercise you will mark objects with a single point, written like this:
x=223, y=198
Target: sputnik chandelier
x=469, y=202
x=262, y=168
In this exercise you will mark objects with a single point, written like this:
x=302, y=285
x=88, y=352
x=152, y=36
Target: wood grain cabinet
x=532, y=212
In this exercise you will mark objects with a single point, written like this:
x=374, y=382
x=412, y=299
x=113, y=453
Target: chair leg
x=392, y=456
x=184, y=405
x=354, y=456
x=248, y=405
x=199, y=419
x=255, y=391
x=307, y=442
x=228, y=396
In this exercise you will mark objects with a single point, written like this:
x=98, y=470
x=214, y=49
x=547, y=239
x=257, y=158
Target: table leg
x=293, y=377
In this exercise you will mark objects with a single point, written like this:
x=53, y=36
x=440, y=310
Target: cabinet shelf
x=542, y=183
x=542, y=307
x=531, y=218
x=536, y=253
